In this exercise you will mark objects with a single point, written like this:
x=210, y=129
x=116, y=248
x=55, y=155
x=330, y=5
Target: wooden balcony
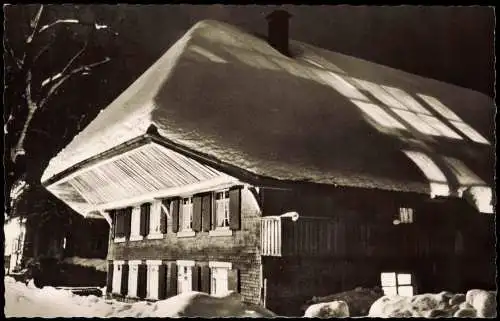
x=280, y=236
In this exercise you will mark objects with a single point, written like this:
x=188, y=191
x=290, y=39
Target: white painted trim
x=215, y=264
x=136, y=238
x=187, y=263
x=119, y=240
x=220, y=232
x=201, y=187
x=153, y=262
x=155, y=236
x=107, y=217
x=189, y=233
x=118, y=262
x=134, y=262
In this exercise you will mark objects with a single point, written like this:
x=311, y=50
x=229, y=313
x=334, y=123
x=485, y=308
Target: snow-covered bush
x=359, y=300
x=335, y=309
x=476, y=303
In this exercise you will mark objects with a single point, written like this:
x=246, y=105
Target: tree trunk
x=22, y=137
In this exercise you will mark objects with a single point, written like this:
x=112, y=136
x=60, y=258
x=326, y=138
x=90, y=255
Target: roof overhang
x=136, y=173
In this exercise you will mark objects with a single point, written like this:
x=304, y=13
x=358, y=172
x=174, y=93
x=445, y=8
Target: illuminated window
x=394, y=283
x=406, y=215
x=187, y=214
x=454, y=119
x=185, y=276
x=222, y=209
x=219, y=278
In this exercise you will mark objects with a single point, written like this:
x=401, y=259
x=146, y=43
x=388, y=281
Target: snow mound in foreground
x=476, y=303
x=29, y=301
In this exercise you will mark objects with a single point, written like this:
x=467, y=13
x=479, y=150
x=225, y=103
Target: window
x=187, y=214
x=152, y=278
x=405, y=215
x=219, y=276
x=135, y=228
x=184, y=276
x=117, y=276
x=133, y=274
x=397, y=283
x=222, y=210
x=155, y=220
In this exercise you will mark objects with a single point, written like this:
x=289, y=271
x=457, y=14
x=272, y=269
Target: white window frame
x=217, y=229
x=181, y=264
x=184, y=231
x=154, y=231
x=153, y=279
x=395, y=287
x=406, y=215
x=133, y=274
x=135, y=228
x=218, y=277
x=117, y=276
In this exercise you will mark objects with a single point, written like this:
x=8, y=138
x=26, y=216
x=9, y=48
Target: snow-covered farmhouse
x=284, y=171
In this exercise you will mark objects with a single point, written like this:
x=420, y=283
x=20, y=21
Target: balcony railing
x=280, y=236
x=270, y=231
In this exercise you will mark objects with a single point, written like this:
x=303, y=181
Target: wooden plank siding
x=317, y=236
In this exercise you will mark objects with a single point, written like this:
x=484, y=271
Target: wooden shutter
x=128, y=221
x=195, y=277
x=144, y=225
x=142, y=280
x=235, y=208
x=163, y=217
x=119, y=223
x=109, y=283
x=175, y=215
x=113, y=222
x=205, y=279
x=162, y=282
x=172, y=279
x=233, y=280
x=124, y=282
x=197, y=213
x=206, y=212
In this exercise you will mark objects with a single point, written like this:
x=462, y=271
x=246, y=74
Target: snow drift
x=29, y=301
x=476, y=303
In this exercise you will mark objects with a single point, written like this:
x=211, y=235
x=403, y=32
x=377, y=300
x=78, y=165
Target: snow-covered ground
x=28, y=301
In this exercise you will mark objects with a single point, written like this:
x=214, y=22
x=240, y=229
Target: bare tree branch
x=63, y=77
x=17, y=61
x=57, y=22
x=34, y=24
x=44, y=49
x=63, y=72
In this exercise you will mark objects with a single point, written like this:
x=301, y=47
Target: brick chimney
x=277, y=33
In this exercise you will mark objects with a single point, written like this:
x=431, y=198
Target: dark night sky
x=452, y=44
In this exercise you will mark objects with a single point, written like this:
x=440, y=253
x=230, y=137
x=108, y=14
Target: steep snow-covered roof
x=319, y=116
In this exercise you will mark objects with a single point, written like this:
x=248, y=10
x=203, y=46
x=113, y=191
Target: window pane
x=406, y=290
x=389, y=290
x=388, y=279
x=404, y=279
